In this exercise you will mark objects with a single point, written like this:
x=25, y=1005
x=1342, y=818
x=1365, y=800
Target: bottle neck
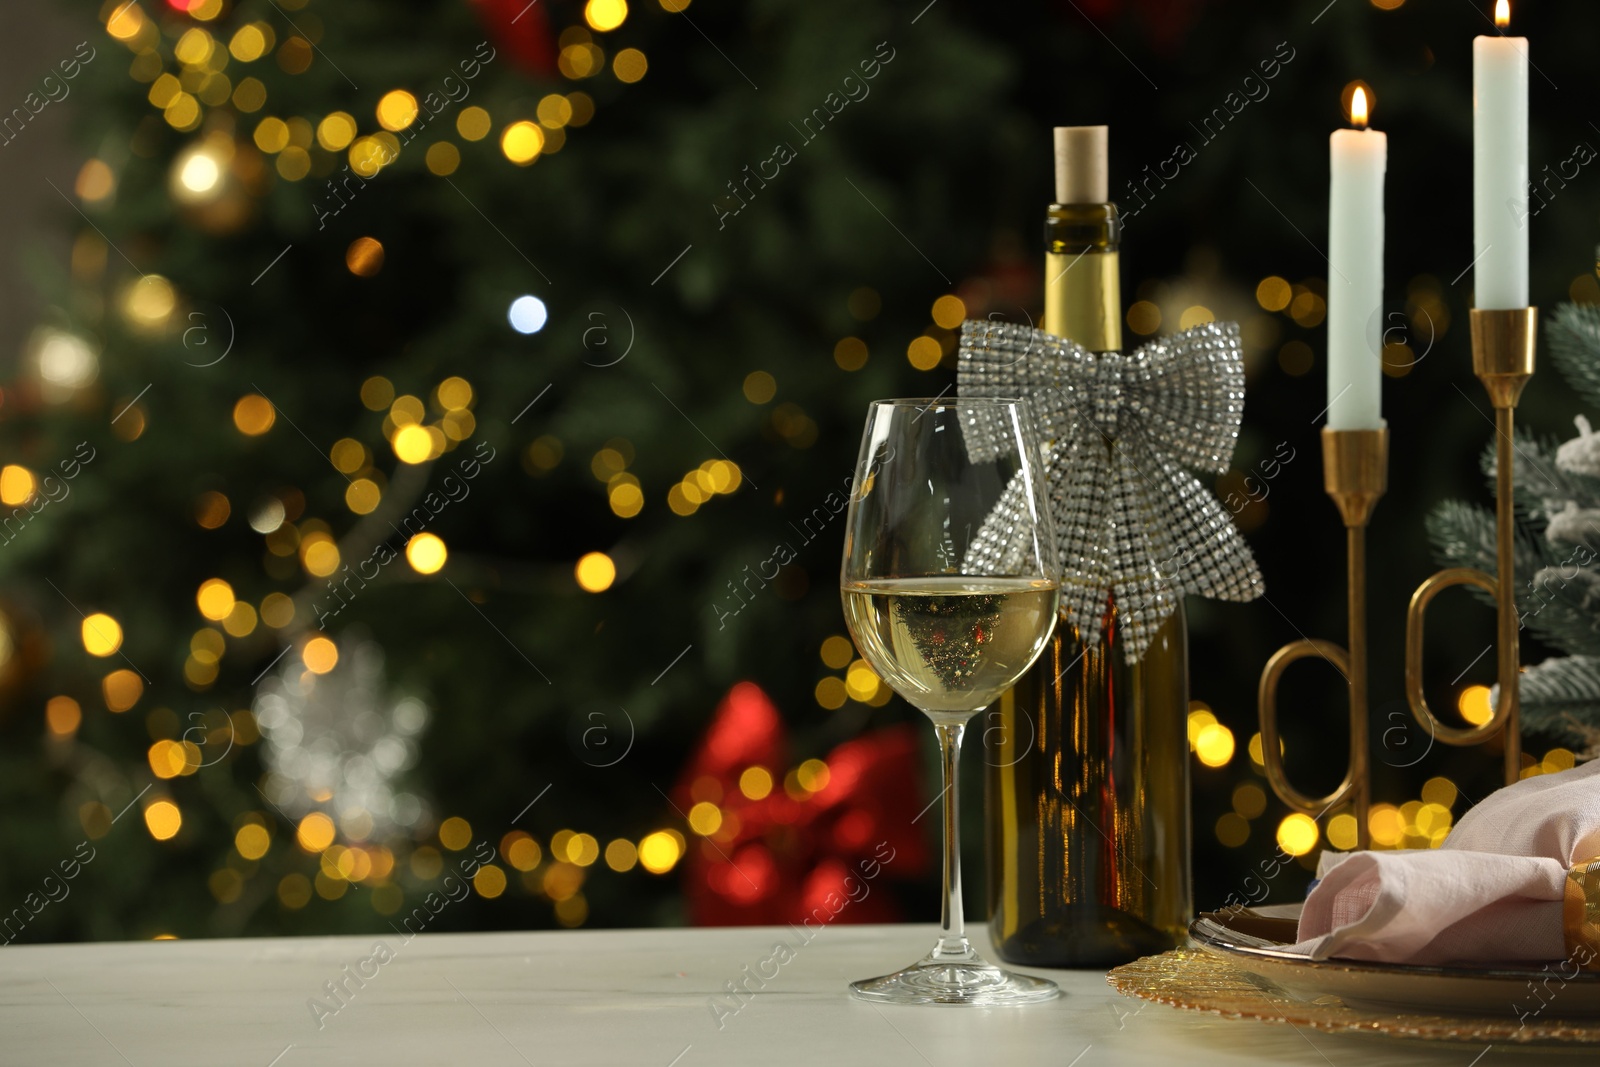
x=1083, y=292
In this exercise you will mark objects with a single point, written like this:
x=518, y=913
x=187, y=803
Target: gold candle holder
x=1502, y=358
x=1355, y=473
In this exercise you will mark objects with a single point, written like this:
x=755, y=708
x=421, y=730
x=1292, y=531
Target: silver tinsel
x=1131, y=521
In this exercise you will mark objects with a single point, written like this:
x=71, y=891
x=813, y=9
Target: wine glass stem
x=953, y=943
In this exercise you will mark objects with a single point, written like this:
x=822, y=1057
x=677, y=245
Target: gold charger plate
x=1203, y=981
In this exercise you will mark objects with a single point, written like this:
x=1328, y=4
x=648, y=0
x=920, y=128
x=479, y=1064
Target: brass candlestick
x=1355, y=472
x=1502, y=358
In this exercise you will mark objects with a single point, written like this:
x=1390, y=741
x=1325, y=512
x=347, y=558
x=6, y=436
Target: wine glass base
x=936, y=981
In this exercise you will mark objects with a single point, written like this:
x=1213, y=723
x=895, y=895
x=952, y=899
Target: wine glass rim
x=945, y=401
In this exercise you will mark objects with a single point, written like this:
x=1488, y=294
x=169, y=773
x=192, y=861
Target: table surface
x=654, y=998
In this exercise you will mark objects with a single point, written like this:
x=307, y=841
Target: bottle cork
x=1082, y=167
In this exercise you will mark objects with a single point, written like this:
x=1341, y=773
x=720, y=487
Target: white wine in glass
x=950, y=591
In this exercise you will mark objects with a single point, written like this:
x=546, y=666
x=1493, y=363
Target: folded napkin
x=1492, y=893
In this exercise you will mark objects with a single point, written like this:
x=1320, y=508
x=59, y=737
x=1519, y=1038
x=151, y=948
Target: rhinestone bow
x=1132, y=523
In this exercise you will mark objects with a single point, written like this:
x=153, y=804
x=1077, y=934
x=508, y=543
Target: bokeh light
x=1475, y=705
x=320, y=655
x=102, y=635
x=426, y=553
x=254, y=415
x=163, y=819
x=527, y=314
x=595, y=572
x=1214, y=745
x=1297, y=834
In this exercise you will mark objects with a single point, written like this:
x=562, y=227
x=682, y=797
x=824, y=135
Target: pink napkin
x=1491, y=893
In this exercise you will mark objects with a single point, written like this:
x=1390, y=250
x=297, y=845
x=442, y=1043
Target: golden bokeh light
x=1249, y=800
x=830, y=693
x=320, y=655
x=837, y=652
x=1232, y=829
x=362, y=496
x=861, y=682
x=605, y=15
x=62, y=715
x=252, y=841
x=1274, y=293
x=659, y=852
x=254, y=415
x=277, y=610
x=760, y=387
x=1440, y=791
x=211, y=509
x=755, y=783
x=554, y=111
x=1144, y=317
x=1297, y=834
x=924, y=353
x=474, y=123
x=96, y=181
x=413, y=444
x=315, y=832
x=595, y=572
x=426, y=553
x=215, y=599
x=336, y=131
x=1200, y=716
x=489, y=881
x=705, y=818
x=364, y=257
x=241, y=621
x=121, y=689
x=442, y=158
x=102, y=635
x=377, y=393
x=524, y=853
x=163, y=819
x=948, y=311
x=455, y=833
x=1386, y=825
x=17, y=485
x=396, y=110
x=250, y=96
x=1342, y=831
x=1214, y=745
x=251, y=41
x=629, y=65
x=813, y=775
x=582, y=849
x=621, y=855
x=1474, y=704
x=850, y=353
x=521, y=142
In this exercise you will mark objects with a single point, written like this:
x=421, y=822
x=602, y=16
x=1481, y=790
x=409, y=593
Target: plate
x=1256, y=940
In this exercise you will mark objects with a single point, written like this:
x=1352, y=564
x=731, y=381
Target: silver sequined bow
x=1132, y=523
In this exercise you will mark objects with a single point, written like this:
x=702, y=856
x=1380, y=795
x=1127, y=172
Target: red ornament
x=521, y=29
x=828, y=856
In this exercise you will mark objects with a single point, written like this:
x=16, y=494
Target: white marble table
x=644, y=997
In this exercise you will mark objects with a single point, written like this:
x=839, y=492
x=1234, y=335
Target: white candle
x=1500, y=167
x=1358, y=159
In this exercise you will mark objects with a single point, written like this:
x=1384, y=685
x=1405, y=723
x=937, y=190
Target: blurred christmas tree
x=357, y=472
x=1558, y=558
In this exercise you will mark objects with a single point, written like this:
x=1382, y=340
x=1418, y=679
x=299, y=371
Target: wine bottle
x=1087, y=776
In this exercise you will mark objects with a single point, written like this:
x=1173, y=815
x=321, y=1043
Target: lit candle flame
x=1502, y=13
x=1358, y=106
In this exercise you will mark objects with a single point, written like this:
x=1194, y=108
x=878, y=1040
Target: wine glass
x=950, y=592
